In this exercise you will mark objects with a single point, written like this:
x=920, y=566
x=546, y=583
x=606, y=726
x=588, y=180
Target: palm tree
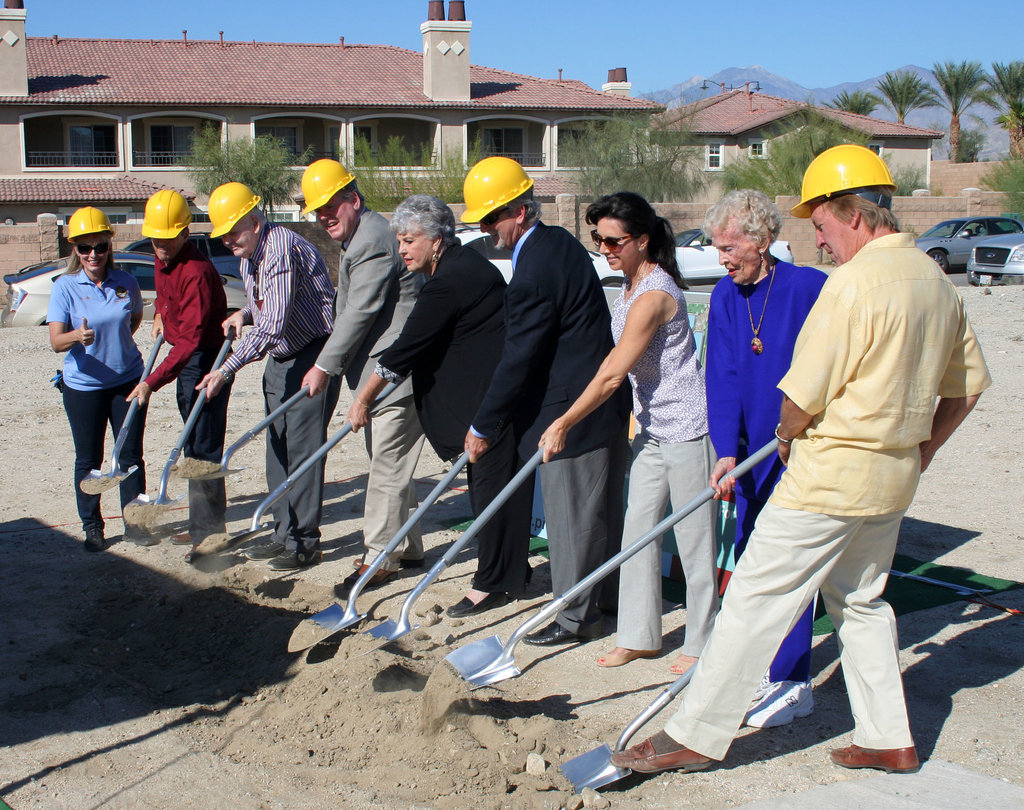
x=860, y=102
x=904, y=92
x=960, y=85
x=1007, y=86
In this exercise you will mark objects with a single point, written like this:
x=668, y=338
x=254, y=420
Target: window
x=169, y=144
x=757, y=150
x=876, y=148
x=503, y=141
x=92, y=144
x=288, y=135
x=713, y=156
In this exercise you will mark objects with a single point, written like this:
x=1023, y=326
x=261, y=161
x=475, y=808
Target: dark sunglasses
x=99, y=248
x=610, y=242
x=494, y=216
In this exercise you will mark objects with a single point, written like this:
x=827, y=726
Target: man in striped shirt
x=291, y=310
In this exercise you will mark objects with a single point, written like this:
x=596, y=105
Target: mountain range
x=698, y=87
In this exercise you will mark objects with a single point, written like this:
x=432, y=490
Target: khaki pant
x=791, y=554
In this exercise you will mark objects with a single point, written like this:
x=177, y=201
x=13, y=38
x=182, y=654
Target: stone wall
x=951, y=178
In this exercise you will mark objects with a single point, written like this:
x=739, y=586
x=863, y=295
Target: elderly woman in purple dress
x=756, y=314
x=656, y=349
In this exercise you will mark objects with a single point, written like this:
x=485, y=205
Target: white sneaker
x=782, y=703
x=763, y=688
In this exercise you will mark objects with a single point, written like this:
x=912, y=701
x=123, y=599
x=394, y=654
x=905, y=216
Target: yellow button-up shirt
x=887, y=335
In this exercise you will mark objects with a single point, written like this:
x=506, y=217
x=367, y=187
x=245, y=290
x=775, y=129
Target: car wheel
x=941, y=259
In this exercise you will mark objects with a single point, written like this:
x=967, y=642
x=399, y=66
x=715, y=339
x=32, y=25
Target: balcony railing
x=312, y=155
x=522, y=158
x=159, y=158
x=64, y=159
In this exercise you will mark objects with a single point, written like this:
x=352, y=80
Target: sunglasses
x=610, y=242
x=493, y=217
x=99, y=248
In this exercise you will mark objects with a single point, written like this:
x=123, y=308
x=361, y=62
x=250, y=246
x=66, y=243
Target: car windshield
x=944, y=229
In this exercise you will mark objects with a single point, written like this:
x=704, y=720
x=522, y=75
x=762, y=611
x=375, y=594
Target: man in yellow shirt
x=887, y=336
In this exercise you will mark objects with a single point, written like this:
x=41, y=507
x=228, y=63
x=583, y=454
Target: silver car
x=997, y=260
x=950, y=243
x=28, y=293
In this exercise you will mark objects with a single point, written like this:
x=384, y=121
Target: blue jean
x=89, y=413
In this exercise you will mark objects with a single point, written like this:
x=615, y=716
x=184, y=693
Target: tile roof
x=736, y=112
x=203, y=73
x=77, y=190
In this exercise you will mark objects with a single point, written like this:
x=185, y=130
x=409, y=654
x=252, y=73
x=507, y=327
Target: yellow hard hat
x=228, y=204
x=86, y=221
x=845, y=169
x=492, y=183
x=167, y=215
x=321, y=181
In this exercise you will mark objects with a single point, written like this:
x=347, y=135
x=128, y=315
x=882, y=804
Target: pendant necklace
x=756, y=346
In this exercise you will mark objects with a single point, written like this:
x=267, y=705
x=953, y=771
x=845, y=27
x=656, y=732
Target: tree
x=1007, y=95
x=798, y=141
x=264, y=164
x=659, y=161
x=396, y=171
x=860, y=102
x=960, y=85
x=1008, y=177
x=903, y=92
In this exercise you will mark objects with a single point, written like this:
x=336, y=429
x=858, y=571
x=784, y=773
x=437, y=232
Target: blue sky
x=660, y=42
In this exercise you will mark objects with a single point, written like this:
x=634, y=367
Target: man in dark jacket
x=557, y=332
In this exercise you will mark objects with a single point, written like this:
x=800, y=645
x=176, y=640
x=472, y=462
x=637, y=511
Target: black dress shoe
x=467, y=608
x=551, y=635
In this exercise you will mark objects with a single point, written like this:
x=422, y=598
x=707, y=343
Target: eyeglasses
x=99, y=248
x=610, y=242
x=493, y=217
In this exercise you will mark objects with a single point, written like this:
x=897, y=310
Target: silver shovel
x=488, y=661
x=247, y=437
x=390, y=630
x=143, y=509
x=96, y=481
x=257, y=527
x=321, y=626
x=594, y=769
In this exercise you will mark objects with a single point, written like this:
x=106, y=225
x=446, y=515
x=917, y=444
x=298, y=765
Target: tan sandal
x=623, y=655
x=682, y=664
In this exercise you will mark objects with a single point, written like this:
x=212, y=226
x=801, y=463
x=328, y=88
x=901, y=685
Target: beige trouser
x=394, y=439
x=791, y=554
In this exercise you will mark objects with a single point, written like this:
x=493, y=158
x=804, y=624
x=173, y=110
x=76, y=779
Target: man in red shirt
x=190, y=307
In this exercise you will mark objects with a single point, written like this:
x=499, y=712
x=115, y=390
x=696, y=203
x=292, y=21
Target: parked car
x=950, y=243
x=28, y=294
x=997, y=260
x=698, y=258
x=224, y=260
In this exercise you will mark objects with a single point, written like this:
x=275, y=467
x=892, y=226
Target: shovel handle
x=251, y=434
x=492, y=508
x=615, y=562
x=122, y=434
x=666, y=697
x=193, y=417
x=308, y=464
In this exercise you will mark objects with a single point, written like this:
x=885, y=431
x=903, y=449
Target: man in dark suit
x=557, y=332
x=376, y=293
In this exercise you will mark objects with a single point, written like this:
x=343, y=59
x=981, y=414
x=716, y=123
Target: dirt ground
x=131, y=679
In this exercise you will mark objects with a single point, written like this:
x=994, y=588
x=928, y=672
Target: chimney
x=13, y=62
x=446, y=52
x=617, y=84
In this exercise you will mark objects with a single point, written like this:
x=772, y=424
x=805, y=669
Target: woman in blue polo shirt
x=94, y=311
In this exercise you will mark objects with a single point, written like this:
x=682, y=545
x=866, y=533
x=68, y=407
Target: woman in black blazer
x=451, y=344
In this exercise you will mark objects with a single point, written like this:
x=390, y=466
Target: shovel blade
x=593, y=769
x=389, y=631
x=481, y=663
x=213, y=476
x=319, y=627
x=96, y=482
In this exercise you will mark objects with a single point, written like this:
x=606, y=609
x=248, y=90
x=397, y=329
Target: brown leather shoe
x=660, y=753
x=890, y=760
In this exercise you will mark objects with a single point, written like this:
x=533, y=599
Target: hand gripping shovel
x=142, y=511
x=594, y=769
x=390, y=630
x=486, y=662
x=247, y=437
x=321, y=626
x=96, y=482
x=257, y=528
